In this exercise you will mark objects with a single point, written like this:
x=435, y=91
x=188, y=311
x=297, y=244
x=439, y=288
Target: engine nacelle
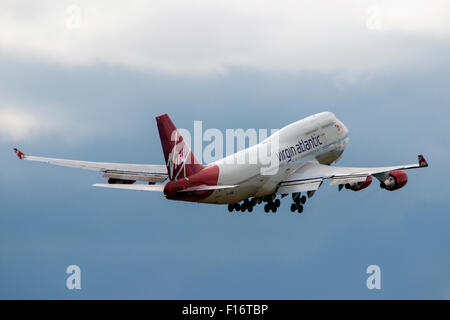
x=357, y=186
x=397, y=179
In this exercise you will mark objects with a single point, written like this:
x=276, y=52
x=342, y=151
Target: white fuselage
x=320, y=137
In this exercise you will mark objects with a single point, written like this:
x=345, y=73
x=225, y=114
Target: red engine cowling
x=359, y=185
x=397, y=179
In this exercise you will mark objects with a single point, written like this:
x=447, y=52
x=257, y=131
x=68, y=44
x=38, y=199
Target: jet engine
x=395, y=180
x=357, y=186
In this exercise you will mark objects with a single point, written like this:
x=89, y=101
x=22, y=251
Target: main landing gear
x=247, y=204
x=299, y=201
x=271, y=204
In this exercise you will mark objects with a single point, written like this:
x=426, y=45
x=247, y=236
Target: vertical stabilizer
x=180, y=160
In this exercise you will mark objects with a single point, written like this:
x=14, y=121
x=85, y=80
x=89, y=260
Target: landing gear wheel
x=250, y=209
x=230, y=208
x=293, y=207
x=277, y=203
x=300, y=209
x=266, y=208
x=303, y=200
x=243, y=207
x=237, y=206
x=274, y=208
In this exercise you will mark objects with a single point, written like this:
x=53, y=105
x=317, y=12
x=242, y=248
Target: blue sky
x=100, y=102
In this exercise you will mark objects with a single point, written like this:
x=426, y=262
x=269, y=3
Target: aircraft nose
x=345, y=129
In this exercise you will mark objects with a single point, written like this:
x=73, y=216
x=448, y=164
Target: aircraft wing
x=310, y=176
x=160, y=187
x=123, y=171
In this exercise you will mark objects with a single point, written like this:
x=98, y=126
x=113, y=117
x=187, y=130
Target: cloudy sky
x=85, y=80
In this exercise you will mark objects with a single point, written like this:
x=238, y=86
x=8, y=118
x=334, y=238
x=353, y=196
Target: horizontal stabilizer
x=139, y=187
x=207, y=188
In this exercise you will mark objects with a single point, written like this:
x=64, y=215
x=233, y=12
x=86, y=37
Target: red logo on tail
x=422, y=161
x=180, y=160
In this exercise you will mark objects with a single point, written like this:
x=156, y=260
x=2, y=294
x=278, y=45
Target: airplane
x=303, y=150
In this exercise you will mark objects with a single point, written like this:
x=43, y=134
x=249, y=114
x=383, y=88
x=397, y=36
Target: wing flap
x=348, y=179
x=137, y=176
x=299, y=186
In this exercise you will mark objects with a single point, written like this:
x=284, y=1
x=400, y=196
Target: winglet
x=422, y=161
x=19, y=153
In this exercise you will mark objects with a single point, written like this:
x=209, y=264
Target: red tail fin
x=180, y=160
